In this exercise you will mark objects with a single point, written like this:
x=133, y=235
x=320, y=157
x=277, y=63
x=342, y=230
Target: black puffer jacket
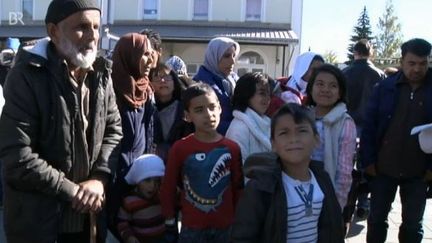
x=261, y=214
x=37, y=140
x=361, y=77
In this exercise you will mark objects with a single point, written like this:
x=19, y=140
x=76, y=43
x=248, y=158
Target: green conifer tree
x=361, y=31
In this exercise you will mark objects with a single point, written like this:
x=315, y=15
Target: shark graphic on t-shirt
x=206, y=176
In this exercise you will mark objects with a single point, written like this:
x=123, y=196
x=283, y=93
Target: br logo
x=16, y=18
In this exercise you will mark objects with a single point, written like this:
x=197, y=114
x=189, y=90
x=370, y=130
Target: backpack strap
x=302, y=97
x=294, y=91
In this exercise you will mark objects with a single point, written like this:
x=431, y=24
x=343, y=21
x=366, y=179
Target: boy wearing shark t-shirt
x=207, y=169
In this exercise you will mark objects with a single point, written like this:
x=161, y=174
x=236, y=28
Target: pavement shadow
x=355, y=228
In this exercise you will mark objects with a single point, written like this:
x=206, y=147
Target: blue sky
x=328, y=24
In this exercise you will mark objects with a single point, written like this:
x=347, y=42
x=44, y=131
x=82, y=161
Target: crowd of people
x=136, y=147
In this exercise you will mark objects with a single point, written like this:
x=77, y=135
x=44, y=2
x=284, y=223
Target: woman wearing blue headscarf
x=217, y=71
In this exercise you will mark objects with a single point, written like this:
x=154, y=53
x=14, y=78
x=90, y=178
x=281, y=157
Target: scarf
x=300, y=69
x=259, y=126
x=214, y=52
x=131, y=87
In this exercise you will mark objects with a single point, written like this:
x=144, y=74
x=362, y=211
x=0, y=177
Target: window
x=27, y=9
x=250, y=57
x=250, y=62
x=253, y=10
x=150, y=9
x=241, y=71
x=200, y=10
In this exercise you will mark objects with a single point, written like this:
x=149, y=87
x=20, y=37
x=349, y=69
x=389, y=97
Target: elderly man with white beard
x=60, y=129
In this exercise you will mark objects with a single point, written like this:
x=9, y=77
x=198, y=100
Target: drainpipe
x=283, y=61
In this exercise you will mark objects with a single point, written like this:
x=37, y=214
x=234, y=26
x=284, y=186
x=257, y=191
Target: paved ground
x=357, y=233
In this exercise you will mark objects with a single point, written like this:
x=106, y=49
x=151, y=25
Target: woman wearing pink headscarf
x=132, y=60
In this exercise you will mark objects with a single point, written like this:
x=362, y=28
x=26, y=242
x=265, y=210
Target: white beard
x=77, y=58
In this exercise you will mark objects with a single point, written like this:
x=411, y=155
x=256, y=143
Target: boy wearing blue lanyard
x=288, y=199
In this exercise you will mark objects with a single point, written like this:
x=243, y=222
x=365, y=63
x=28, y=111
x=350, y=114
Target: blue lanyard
x=306, y=198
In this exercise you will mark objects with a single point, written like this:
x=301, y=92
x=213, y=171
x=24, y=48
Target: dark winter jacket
x=261, y=214
x=141, y=135
x=215, y=82
x=37, y=130
x=361, y=76
x=379, y=113
x=3, y=73
x=178, y=130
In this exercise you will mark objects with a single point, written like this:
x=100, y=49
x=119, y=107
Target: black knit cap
x=61, y=9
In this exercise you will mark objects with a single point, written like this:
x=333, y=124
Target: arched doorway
x=250, y=61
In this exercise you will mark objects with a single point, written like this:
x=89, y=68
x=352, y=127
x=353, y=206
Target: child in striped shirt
x=140, y=218
x=288, y=199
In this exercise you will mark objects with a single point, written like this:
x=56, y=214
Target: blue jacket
x=379, y=112
x=215, y=82
x=141, y=133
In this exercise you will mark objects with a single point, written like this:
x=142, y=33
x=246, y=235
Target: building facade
x=267, y=30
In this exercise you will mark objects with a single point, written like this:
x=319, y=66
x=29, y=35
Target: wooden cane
x=93, y=231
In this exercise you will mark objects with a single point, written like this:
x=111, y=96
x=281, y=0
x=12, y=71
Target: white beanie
x=145, y=166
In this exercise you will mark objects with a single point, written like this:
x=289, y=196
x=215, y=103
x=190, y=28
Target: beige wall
x=191, y=53
x=6, y=7
x=126, y=10
x=278, y=11
x=175, y=9
x=40, y=9
x=226, y=10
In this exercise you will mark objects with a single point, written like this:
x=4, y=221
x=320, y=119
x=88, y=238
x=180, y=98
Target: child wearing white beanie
x=145, y=166
x=140, y=218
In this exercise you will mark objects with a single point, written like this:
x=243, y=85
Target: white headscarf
x=300, y=69
x=215, y=50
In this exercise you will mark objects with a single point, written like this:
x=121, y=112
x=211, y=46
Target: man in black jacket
x=361, y=76
x=59, y=129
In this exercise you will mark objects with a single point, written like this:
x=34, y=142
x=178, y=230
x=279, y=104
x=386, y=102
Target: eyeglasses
x=159, y=78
